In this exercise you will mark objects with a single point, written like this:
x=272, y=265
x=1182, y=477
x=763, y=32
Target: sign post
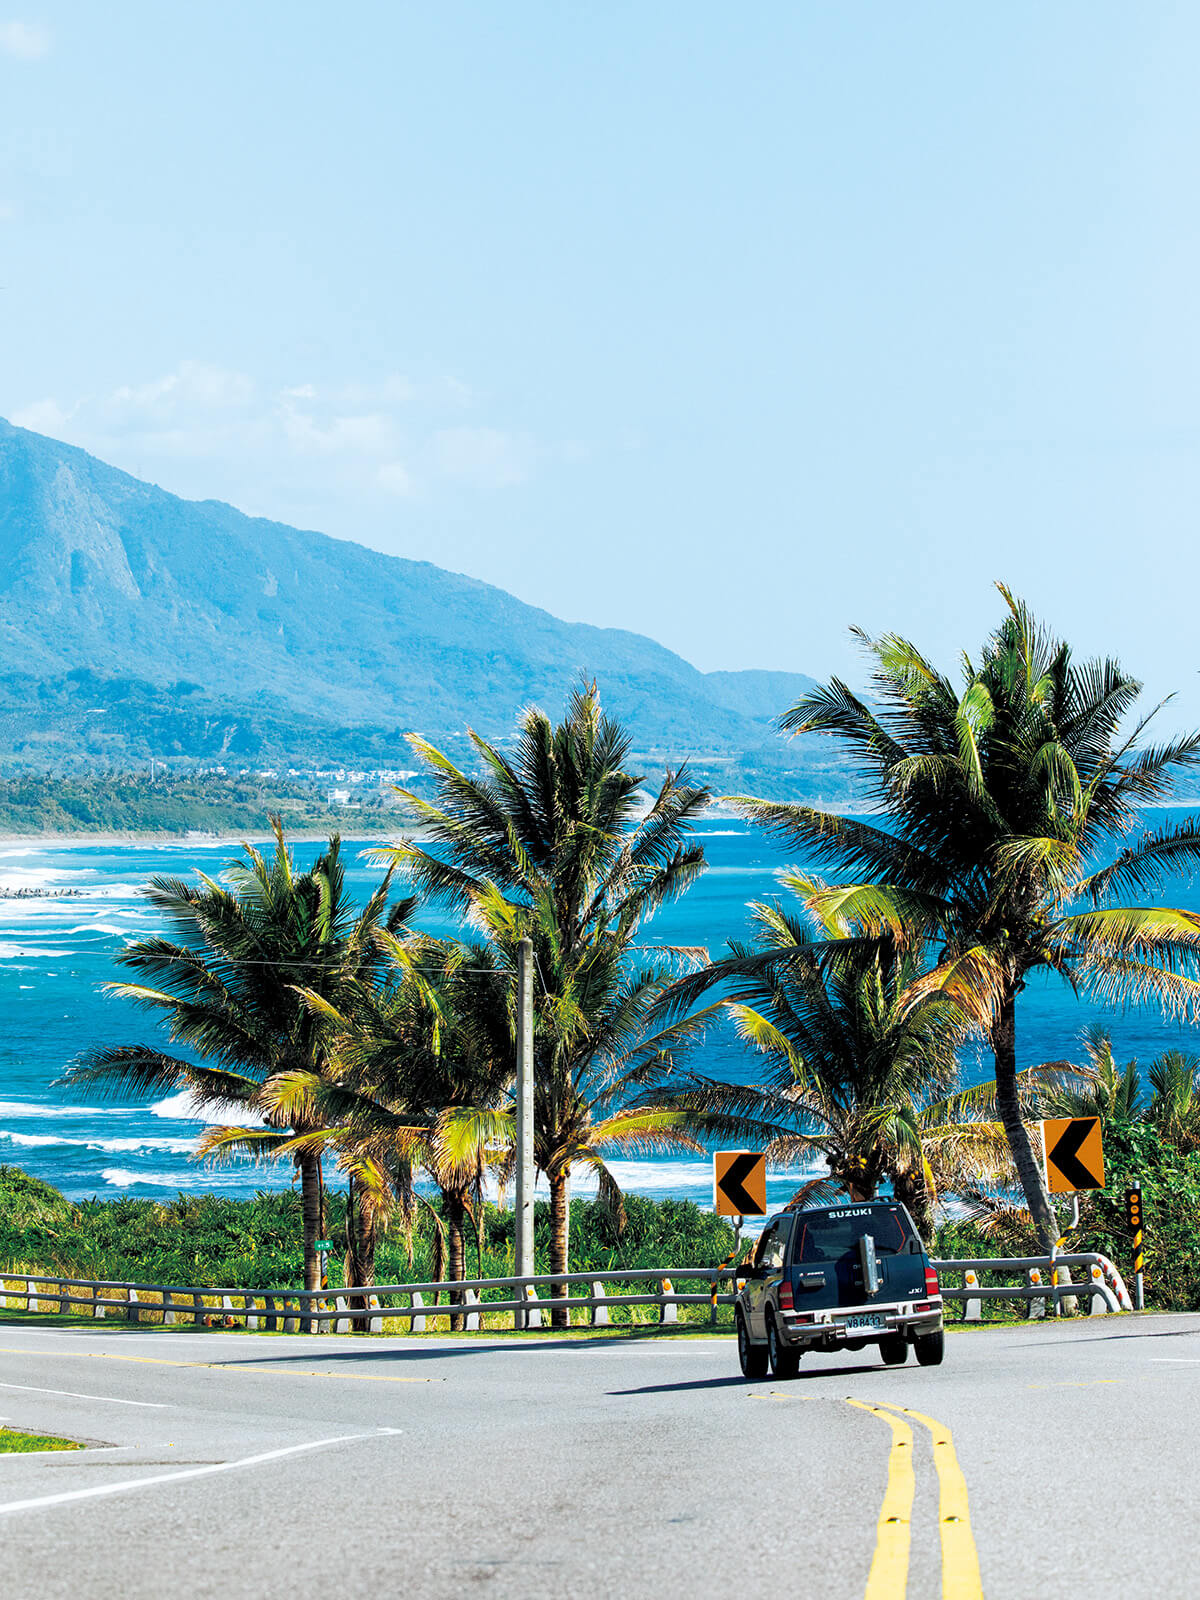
x=1073, y=1153
x=739, y=1191
x=1133, y=1217
x=323, y=1247
x=523, y=1197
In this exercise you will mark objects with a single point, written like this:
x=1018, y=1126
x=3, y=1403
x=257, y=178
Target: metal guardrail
x=364, y=1310
x=1104, y=1286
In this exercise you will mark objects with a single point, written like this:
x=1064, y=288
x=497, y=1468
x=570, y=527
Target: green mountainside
x=136, y=625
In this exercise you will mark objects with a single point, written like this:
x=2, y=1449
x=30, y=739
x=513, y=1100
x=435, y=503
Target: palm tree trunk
x=560, y=1242
x=1008, y=1105
x=457, y=1269
x=360, y=1251
x=911, y=1190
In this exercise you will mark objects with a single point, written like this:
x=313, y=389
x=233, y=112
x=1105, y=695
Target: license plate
x=867, y=1319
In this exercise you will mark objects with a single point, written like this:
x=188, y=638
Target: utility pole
x=523, y=1196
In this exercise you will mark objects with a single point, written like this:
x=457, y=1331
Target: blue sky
x=730, y=325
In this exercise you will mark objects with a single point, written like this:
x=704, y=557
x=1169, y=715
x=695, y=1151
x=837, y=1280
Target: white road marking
x=99, y=1489
x=72, y=1394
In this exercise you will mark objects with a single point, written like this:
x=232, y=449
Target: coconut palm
x=424, y=1069
x=1174, y=1105
x=228, y=985
x=555, y=842
x=858, y=1075
x=1100, y=1088
x=996, y=801
x=1105, y=1089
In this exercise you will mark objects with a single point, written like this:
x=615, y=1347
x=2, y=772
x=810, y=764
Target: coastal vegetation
x=208, y=1240
x=353, y=1037
x=172, y=802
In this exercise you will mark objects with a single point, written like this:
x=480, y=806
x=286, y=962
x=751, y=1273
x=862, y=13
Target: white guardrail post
x=600, y=1316
x=1037, y=1308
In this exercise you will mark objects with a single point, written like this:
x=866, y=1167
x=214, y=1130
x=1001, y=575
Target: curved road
x=1046, y=1460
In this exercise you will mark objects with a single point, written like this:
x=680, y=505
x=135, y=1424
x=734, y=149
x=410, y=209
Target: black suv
x=836, y=1278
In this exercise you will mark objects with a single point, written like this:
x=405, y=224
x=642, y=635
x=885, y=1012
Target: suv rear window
x=830, y=1235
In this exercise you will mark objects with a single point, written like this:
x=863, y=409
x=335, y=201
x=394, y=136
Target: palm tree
x=997, y=801
x=554, y=843
x=424, y=1065
x=1102, y=1088
x=859, y=1076
x=229, y=986
x=1105, y=1089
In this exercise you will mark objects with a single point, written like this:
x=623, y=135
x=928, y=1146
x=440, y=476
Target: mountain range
x=137, y=624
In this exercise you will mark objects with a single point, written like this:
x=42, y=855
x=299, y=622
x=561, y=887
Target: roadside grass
x=13, y=1443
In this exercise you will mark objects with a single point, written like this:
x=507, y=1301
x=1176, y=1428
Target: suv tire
x=752, y=1358
x=785, y=1363
x=930, y=1348
x=894, y=1349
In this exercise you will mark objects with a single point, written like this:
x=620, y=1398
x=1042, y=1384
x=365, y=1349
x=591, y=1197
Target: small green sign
x=324, y=1244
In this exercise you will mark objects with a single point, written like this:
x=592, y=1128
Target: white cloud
x=43, y=416
x=332, y=455
x=27, y=41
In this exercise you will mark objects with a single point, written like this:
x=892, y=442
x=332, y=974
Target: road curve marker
x=960, y=1558
x=888, y=1577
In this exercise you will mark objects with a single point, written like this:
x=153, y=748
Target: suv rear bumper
x=831, y=1328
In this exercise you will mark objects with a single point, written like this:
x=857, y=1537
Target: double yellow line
x=888, y=1578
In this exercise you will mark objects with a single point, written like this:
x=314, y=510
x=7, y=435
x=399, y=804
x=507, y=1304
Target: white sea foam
x=98, y=927
x=9, y=952
x=175, y=1147
x=25, y=878
x=26, y=1108
x=123, y=1178
x=182, y=1107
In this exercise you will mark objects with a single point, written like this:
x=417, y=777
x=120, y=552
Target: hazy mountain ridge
x=110, y=587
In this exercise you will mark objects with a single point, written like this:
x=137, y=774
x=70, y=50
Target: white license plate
x=867, y=1319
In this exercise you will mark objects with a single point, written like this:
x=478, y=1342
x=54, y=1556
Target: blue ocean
x=57, y=951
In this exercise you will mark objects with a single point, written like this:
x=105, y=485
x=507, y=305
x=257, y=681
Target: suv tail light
x=932, y=1286
x=786, y=1301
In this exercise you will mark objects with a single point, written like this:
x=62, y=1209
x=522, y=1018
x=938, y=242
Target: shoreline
x=206, y=841
x=214, y=841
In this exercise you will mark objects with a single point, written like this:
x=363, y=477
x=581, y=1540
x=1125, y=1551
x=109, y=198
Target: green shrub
x=210, y=1241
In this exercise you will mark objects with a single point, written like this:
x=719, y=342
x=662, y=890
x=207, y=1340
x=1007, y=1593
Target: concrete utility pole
x=523, y=1196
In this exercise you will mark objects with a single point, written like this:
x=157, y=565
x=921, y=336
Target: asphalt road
x=1060, y=1459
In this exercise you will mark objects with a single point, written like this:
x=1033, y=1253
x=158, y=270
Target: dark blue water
x=55, y=954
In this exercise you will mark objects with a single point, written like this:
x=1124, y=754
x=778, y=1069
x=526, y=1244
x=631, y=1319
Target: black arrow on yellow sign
x=740, y=1183
x=1074, y=1153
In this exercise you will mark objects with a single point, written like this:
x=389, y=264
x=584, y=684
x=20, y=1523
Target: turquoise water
x=55, y=954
